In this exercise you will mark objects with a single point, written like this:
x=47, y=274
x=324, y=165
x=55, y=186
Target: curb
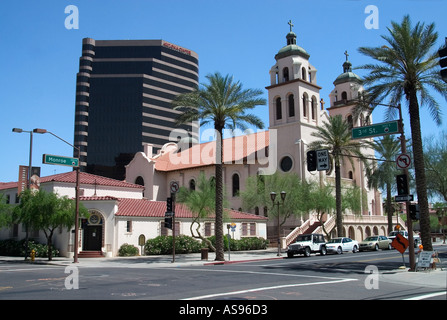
x=240, y=261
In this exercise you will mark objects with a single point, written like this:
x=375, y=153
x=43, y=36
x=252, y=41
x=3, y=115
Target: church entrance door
x=92, y=237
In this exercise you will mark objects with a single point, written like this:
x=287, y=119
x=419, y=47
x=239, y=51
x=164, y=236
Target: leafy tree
x=435, y=156
x=321, y=199
x=224, y=103
x=406, y=67
x=258, y=188
x=201, y=202
x=46, y=211
x=382, y=174
x=335, y=136
x=5, y=212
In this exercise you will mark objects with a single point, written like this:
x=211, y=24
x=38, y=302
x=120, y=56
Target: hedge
x=187, y=244
x=16, y=248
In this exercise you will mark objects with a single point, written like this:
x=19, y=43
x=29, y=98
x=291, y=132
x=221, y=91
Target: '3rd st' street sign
x=378, y=129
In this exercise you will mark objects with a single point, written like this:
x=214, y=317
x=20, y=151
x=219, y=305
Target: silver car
x=375, y=243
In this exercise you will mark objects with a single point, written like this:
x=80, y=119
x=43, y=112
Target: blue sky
x=39, y=56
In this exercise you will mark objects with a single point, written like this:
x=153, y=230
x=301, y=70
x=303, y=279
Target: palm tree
x=335, y=136
x=382, y=174
x=406, y=68
x=223, y=103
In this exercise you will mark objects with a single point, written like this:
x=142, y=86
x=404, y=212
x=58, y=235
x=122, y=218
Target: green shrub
x=163, y=245
x=16, y=248
x=128, y=250
x=250, y=243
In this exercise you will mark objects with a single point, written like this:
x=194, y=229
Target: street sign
x=60, y=160
x=378, y=129
x=400, y=243
x=174, y=186
x=322, y=160
x=425, y=259
x=403, y=161
x=403, y=198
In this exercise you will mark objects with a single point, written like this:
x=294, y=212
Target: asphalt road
x=359, y=276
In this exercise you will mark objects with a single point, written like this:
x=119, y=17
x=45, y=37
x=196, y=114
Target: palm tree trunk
x=219, y=197
x=419, y=168
x=339, y=218
x=389, y=210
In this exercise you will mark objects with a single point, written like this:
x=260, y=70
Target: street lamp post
x=283, y=197
x=30, y=167
x=76, y=240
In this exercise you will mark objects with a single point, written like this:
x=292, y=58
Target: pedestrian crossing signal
x=168, y=222
x=402, y=184
x=311, y=160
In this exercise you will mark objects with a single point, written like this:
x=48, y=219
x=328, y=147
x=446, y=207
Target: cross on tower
x=290, y=24
x=347, y=55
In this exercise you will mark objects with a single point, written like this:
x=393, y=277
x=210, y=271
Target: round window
x=286, y=164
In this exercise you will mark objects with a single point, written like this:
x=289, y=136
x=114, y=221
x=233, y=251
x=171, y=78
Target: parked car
x=375, y=243
x=416, y=238
x=342, y=244
x=306, y=244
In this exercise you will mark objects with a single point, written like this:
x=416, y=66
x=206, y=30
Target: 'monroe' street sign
x=59, y=160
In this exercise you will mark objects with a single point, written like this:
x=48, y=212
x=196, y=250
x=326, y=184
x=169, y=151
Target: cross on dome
x=290, y=24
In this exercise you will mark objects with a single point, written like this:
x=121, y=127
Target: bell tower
x=347, y=90
x=294, y=103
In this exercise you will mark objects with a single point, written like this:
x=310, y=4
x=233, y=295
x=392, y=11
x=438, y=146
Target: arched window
x=303, y=73
x=314, y=108
x=304, y=105
x=139, y=181
x=235, y=183
x=350, y=122
x=291, y=106
x=192, y=185
x=285, y=74
x=278, y=109
x=344, y=95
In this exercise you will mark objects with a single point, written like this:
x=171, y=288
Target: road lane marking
x=430, y=295
x=267, y=288
x=262, y=273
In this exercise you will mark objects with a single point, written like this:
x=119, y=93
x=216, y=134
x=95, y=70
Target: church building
x=123, y=210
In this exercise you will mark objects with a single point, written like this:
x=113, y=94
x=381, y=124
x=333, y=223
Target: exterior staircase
x=90, y=254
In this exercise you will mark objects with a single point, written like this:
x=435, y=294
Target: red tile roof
x=234, y=149
x=84, y=178
x=147, y=208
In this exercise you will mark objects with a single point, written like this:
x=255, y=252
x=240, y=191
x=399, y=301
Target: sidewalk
x=157, y=261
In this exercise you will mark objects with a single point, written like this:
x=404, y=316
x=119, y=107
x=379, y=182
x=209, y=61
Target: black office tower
x=124, y=90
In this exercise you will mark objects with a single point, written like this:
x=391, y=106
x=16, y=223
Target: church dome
x=347, y=75
x=291, y=49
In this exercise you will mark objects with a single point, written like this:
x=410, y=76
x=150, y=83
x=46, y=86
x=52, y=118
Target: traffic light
x=443, y=62
x=414, y=211
x=169, y=204
x=311, y=160
x=402, y=184
x=168, y=222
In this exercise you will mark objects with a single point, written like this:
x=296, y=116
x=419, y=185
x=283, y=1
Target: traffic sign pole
x=403, y=147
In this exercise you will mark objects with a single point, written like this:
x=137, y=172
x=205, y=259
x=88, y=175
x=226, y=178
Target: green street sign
x=378, y=129
x=59, y=160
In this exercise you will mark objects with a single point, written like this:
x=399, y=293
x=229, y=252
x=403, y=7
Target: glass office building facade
x=124, y=90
